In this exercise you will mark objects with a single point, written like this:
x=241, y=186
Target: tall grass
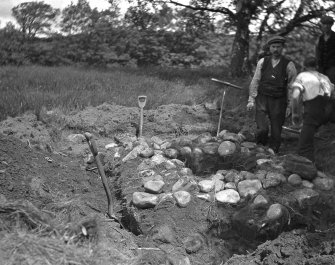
x=68, y=88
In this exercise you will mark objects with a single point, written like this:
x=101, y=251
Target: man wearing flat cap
x=325, y=49
x=268, y=93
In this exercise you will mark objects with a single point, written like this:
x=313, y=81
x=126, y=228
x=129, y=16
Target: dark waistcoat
x=326, y=52
x=273, y=79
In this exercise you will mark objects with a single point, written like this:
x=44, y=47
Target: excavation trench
x=211, y=231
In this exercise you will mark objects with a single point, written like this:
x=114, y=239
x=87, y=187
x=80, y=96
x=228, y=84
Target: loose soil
x=38, y=163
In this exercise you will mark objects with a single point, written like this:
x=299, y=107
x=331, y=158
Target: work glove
x=250, y=106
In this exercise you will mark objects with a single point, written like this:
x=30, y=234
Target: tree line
x=166, y=32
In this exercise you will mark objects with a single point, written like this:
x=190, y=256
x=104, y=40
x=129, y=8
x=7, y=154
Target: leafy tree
x=81, y=18
x=105, y=19
x=144, y=15
x=34, y=17
x=11, y=46
x=141, y=15
x=166, y=17
x=76, y=18
x=195, y=22
x=266, y=16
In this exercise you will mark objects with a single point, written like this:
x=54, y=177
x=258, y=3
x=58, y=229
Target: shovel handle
x=141, y=123
x=94, y=150
x=220, y=117
x=91, y=144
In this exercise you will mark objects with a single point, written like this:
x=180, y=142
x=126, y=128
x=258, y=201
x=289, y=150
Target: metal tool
x=222, y=101
x=142, y=100
x=227, y=83
x=94, y=150
x=291, y=130
x=221, y=108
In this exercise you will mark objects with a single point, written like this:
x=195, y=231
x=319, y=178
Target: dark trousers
x=270, y=109
x=317, y=111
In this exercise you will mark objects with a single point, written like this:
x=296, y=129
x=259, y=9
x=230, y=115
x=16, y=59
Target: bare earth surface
x=41, y=163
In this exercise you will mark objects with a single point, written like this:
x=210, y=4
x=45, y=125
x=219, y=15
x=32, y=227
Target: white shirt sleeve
x=253, y=88
x=298, y=83
x=326, y=85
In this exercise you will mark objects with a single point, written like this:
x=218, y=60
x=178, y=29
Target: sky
x=7, y=5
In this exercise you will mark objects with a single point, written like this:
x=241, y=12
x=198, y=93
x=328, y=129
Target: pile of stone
x=164, y=169
x=226, y=185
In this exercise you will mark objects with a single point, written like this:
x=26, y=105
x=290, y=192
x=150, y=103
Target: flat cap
x=327, y=20
x=276, y=39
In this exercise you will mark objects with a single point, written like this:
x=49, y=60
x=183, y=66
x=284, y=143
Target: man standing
x=325, y=49
x=269, y=92
x=316, y=91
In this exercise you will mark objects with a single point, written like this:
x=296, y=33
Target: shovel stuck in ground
x=94, y=150
x=142, y=100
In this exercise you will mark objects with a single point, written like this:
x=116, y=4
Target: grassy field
x=31, y=87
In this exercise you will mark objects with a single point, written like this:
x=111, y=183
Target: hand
x=295, y=119
x=288, y=112
x=250, y=106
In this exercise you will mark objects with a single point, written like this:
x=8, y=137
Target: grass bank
x=29, y=88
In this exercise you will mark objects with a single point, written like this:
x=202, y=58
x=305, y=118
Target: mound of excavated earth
x=187, y=195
